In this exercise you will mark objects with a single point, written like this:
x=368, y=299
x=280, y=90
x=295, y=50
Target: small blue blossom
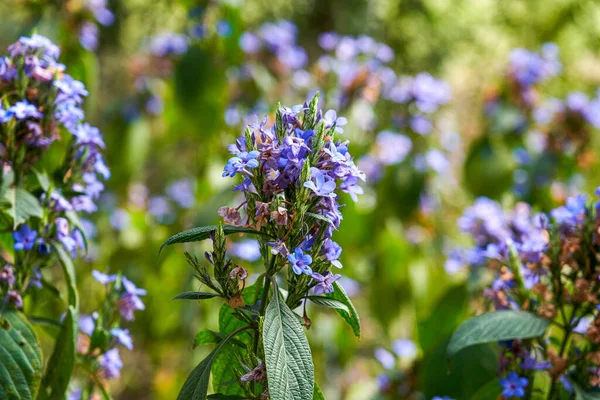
x=300, y=262
x=111, y=364
x=513, y=385
x=123, y=337
x=241, y=162
x=24, y=238
x=324, y=282
x=323, y=185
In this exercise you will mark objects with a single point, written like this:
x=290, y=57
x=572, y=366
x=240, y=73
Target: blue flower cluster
x=280, y=39
x=493, y=231
x=293, y=174
x=528, y=68
x=41, y=103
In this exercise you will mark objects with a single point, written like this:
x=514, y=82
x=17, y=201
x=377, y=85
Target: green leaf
x=76, y=222
x=450, y=310
x=328, y=302
x=203, y=233
x=23, y=205
x=196, y=385
x=319, y=217
x=20, y=358
x=224, y=376
x=206, y=336
x=195, y=296
x=69, y=271
x=218, y=396
x=495, y=327
x=351, y=316
x=288, y=359
x=318, y=393
x=491, y=390
x=62, y=361
x=43, y=179
x=581, y=394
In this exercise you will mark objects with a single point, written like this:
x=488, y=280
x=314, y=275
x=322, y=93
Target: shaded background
x=398, y=281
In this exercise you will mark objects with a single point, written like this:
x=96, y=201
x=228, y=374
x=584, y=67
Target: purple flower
x=250, y=43
x=324, y=282
x=391, y=147
x=182, y=192
x=331, y=119
x=513, y=385
x=87, y=324
x=241, y=162
x=130, y=301
x=405, y=348
x=22, y=110
x=332, y=251
x=300, y=262
x=103, y=278
x=323, y=184
x=7, y=275
x=88, y=36
x=166, y=44
x=111, y=364
x=24, y=238
x=248, y=250
x=123, y=337
x=385, y=357
x=14, y=298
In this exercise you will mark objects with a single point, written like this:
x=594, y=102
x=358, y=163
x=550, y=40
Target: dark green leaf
x=206, y=336
x=491, y=390
x=224, y=375
x=62, y=361
x=203, y=233
x=23, y=205
x=69, y=271
x=351, y=316
x=196, y=385
x=328, y=302
x=20, y=358
x=581, y=394
x=288, y=359
x=43, y=180
x=218, y=396
x=467, y=373
x=450, y=310
x=495, y=327
x=195, y=296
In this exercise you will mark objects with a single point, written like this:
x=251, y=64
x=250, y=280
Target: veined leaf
x=22, y=205
x=20, y=358
x=43, y=179
x=69, y=271
x=350, y=316
x=224, y=376
x=195, y=296
x=203, y=232
x=329, y=302
x=60, y=366
x=495, y=327
x=288, y=359
x=196, y=385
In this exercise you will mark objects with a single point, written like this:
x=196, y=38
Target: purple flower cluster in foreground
x=302, y=165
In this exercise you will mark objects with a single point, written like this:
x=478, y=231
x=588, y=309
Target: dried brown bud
x=236, y=301
x=547, y=310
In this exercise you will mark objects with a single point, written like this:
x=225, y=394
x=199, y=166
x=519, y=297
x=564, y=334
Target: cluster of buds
x=547, y=265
